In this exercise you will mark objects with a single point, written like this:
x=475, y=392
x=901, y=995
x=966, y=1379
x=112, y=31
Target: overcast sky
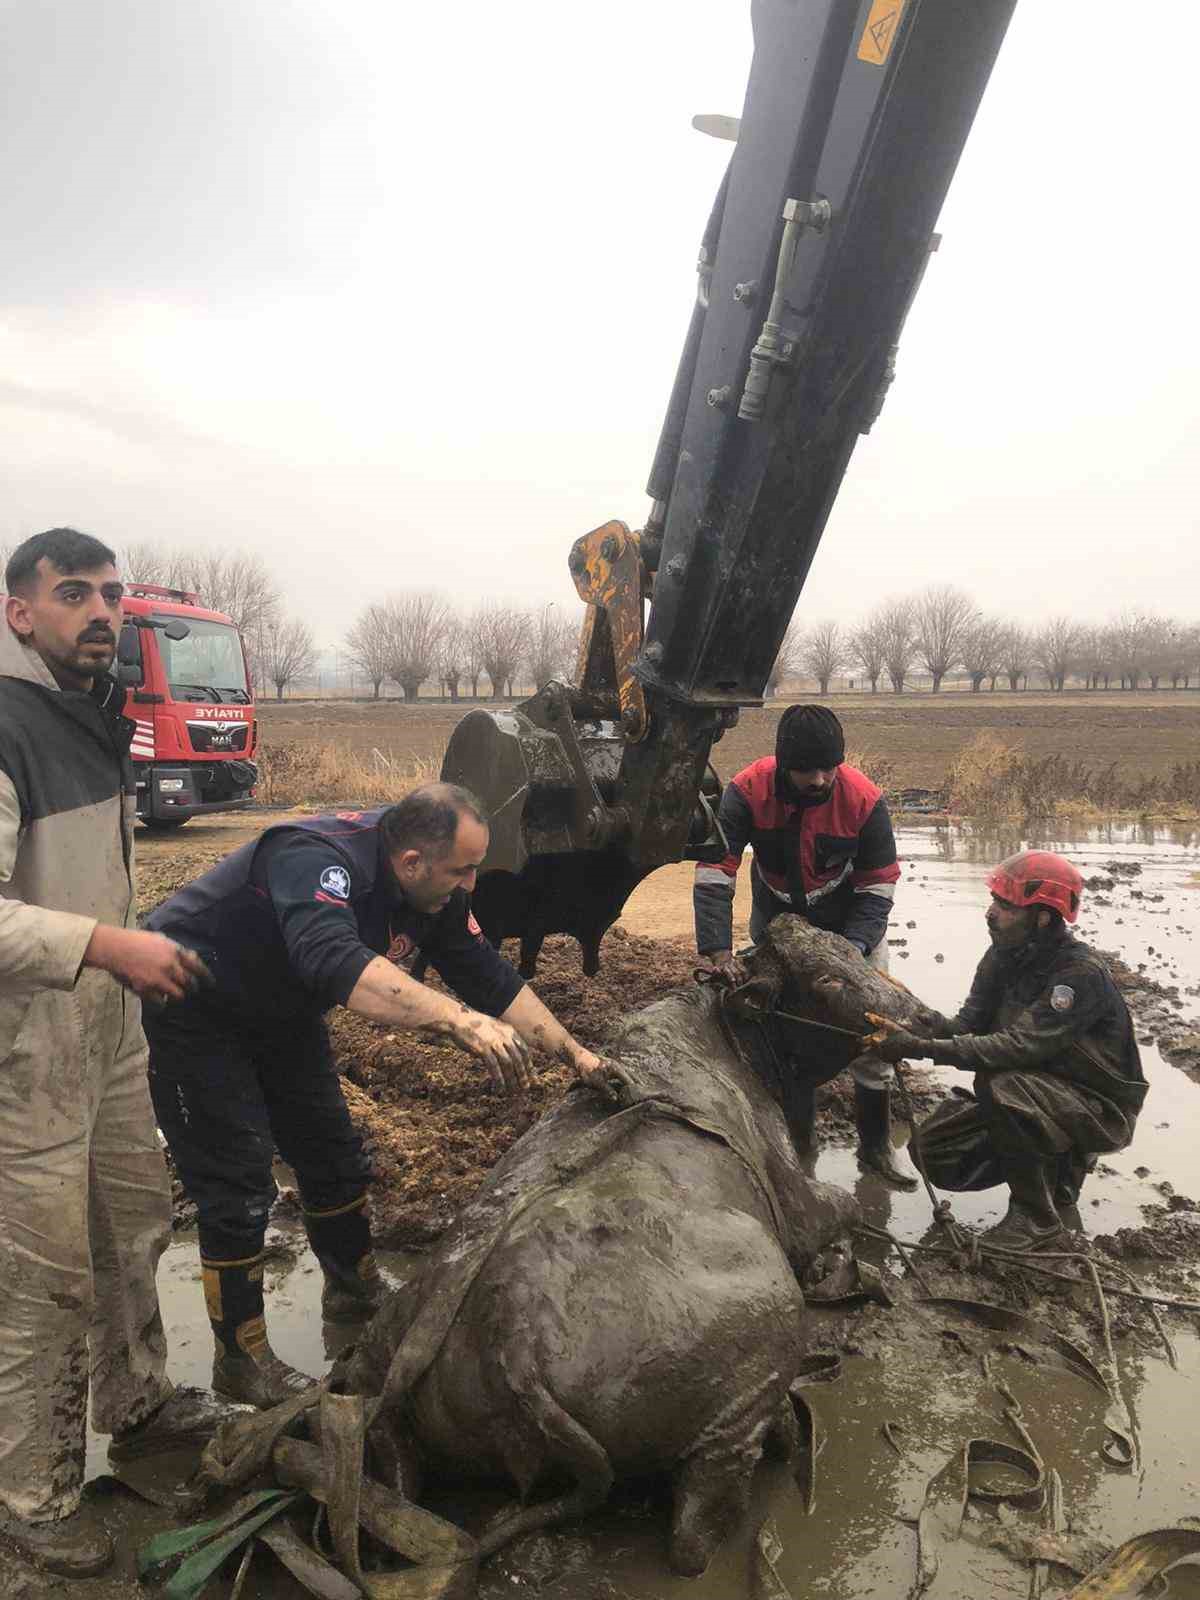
x=392, y=294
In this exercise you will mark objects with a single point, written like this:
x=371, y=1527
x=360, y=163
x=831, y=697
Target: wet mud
x=436, y=1129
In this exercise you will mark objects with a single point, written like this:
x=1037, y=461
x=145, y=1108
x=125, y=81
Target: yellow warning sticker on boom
x=880, y=32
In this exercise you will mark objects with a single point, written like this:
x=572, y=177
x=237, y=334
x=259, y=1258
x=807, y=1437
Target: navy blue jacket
x=289, y=923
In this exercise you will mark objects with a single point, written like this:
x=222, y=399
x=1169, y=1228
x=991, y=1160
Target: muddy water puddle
x=859, y=1540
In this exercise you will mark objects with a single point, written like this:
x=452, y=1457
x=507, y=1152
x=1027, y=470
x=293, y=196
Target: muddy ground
x=917, y=735
x=434, y=1129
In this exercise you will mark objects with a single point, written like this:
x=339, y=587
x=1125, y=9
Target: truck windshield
x=208, y=664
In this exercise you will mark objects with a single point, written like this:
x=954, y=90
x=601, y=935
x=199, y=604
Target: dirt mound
x=432, y=1122
x=1155, y=1008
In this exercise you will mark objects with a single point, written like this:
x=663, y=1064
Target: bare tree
x=473, y=667
x=1017, y=653
x=897, y=635
x=150, y=561
x=787, y=659
x=1132, y=633
x=823, y=651
x=416, y=622
x=240, y=586
x=1093, y=655
x=1055, y=648
x=867, y=648
x=368, y=644
x=981, y=650
x=452, y=655
x=940, y=613
x=502, y=637
x=289, y=651
x=1185, y=651
x=550, y=650
x=1162, y=650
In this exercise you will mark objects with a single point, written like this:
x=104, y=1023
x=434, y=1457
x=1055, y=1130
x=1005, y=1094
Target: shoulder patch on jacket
x=336, y=880
x=1062, y=997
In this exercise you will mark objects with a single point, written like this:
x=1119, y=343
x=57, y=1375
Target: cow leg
x=393, y=1458
x=712, y=1495
x=567, y=1446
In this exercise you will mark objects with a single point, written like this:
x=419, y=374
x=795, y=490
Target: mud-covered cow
x=621, y=1297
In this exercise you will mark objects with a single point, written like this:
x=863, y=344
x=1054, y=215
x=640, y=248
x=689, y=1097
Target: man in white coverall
x=84, y=1197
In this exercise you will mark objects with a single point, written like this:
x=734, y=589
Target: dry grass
x=880, y=769
x=300, y=775
x=997, y=780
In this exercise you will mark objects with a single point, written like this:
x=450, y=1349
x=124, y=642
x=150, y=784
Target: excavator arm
x=855, y=116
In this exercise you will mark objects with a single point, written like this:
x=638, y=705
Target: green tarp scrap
x=1140, y=1561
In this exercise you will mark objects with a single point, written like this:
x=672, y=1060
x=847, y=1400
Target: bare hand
x=153, y=966
x=723, y=964
x=587, y=1064
x=499, y=1047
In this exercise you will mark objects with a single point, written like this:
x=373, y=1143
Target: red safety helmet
x=1038, y=878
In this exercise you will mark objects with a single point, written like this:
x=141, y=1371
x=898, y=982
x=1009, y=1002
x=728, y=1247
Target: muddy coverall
x=1058, y=1077
x=84, y=1197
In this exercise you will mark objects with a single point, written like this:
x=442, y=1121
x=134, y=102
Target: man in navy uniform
x=309, y=916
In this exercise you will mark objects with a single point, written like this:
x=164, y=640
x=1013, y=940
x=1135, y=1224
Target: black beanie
x=809, y=738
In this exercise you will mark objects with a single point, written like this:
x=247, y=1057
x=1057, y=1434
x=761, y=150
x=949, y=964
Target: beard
x=88, y=657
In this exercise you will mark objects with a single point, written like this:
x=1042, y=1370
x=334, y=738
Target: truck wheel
x=163, y=823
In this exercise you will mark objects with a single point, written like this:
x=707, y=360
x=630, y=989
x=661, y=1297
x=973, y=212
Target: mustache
x=97, y=636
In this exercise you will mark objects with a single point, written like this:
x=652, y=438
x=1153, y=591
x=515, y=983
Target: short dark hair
x=427, y=819
x=66, y=549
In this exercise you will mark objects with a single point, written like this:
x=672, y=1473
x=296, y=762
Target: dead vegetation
x=301, y=775
x=995, y=780
x=434, y=1126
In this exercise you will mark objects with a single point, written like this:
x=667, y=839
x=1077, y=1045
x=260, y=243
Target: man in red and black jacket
x=823, y=850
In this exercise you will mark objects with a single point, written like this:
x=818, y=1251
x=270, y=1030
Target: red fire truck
x=188, y=690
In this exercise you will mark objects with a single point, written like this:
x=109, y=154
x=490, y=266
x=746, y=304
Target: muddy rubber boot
x=1031, y=1222
x=69, y=1548
x=187, y=1417
x=1070, y=1172
x=873, y=1119
x=353, y=1297
x=341, y=1241
x=798, y=1102
x=245, y=1368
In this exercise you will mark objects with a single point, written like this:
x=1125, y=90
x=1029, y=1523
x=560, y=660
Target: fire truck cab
x=189, y=692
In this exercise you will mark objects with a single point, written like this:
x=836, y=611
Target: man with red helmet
x=1058, y=1078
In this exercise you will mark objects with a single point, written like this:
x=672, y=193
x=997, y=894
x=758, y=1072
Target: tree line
x=417, y=637
x=414, y=638
x=940, y=631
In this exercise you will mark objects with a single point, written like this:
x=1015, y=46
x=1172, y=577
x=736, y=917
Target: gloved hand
x=891, y=1042
x=898, y=1046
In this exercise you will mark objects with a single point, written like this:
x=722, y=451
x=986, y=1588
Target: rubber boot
x=69, y=1548
x=873, y=1119
x=245, y=1367
x=1031, y=1222
x=798, y=1102
x=341, y=1241
x=1069, y=1174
